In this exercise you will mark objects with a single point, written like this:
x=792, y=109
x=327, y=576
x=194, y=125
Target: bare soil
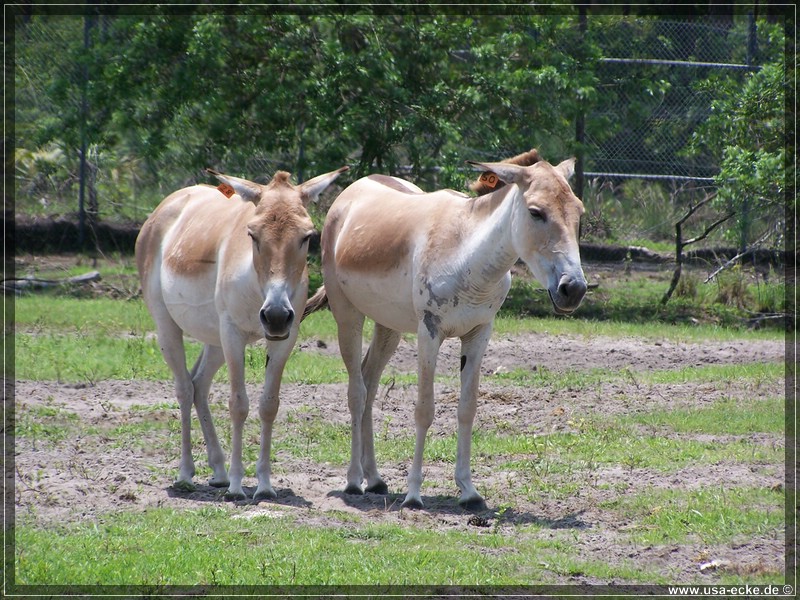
x=93, y=472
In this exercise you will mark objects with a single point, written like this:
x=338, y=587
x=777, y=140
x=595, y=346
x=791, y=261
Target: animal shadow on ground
x=570, y=521
x=207, y=493
x=448, y=505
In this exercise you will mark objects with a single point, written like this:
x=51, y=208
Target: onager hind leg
x=350, y=325
x=208, y=363
x=350, y=328
x=428, y=345
x=170, y=340
x=384, y=343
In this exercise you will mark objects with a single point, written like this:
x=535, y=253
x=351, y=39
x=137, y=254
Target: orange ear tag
x=226, y=189
x=488, y=178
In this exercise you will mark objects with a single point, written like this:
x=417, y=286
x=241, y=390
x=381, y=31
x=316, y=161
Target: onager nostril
x=572, y=288
x=276, y=317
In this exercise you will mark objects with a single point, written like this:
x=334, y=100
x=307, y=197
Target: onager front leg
x=473, y=347
x=384, y=343
x=277, y=355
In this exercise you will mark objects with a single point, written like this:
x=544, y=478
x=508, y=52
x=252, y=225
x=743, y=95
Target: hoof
x=265, y=495
x=185, y=487
x=378, y=488
x=234, y=496
x=473, y=504
x=219, y=483
x=412, y=503
x=353, y=490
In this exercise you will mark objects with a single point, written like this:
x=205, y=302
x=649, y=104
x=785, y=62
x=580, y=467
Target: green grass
x=619, y=311
x=660, y=441
x=726, y=417
x=711, y=515
x=753, y=372
x=50, y=314
x=581, y=325
x=44, y=424
x=636, y=301
x=756, y=373
x=86, y=340
x=88, y=358
x=195, y=548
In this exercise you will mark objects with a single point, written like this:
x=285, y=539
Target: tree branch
x=750, y=248
x=708, y=230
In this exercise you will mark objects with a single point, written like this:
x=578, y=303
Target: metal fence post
x=580, y=119
x=87, y=26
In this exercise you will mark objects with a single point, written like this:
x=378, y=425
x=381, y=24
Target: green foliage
x=170, y=95
x=747, y=125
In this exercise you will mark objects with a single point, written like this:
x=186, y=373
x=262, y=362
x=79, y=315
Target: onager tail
x=317, y=302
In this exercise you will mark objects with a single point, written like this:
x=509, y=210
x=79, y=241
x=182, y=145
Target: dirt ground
x=89, y=475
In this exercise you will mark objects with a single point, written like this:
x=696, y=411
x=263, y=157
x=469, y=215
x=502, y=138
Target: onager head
x=545, y=228
x=279, y=230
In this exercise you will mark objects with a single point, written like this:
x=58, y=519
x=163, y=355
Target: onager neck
x=490, y=249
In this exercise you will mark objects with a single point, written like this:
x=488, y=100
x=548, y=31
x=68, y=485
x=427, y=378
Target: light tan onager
x=228, y=271
x=438, y=265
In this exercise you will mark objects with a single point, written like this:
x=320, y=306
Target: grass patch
x=88, y=358
x=51, y=313
x=710, y=515
x=46, y=313
x=634, y=442
x=544, y=377
x=43, y=423
x=726, y=417
x=193, y=547
x=636, y=300
x=756, y=373
x=615, y=445
x=753, y=372
x=579, y=325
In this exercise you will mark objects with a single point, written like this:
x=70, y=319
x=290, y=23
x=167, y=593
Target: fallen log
x=18, y=284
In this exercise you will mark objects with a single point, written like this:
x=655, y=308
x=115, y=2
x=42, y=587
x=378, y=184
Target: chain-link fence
x=641, y=168
x=644, y=131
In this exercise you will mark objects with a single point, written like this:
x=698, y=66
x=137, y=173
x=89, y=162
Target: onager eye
x=305, y=239
x=537, y=214
x=253, y=237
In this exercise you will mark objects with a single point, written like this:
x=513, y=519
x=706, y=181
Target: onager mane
x=526, y=159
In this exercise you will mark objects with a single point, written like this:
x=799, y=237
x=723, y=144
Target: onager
x=438, y=265
x=227, y=266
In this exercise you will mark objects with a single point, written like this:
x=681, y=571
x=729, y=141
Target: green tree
x=747, y=125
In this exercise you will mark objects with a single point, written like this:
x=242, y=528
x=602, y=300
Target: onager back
x=227, y=266
x=438, y=265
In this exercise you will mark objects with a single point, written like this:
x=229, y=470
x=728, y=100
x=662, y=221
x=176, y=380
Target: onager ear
x=488, y=182
x=311, y=189
x=506, y=172
x=567, y=168
x=246, y=189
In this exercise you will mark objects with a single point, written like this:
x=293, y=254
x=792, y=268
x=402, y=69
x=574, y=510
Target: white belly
x=190, y=302
x=385, y=300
